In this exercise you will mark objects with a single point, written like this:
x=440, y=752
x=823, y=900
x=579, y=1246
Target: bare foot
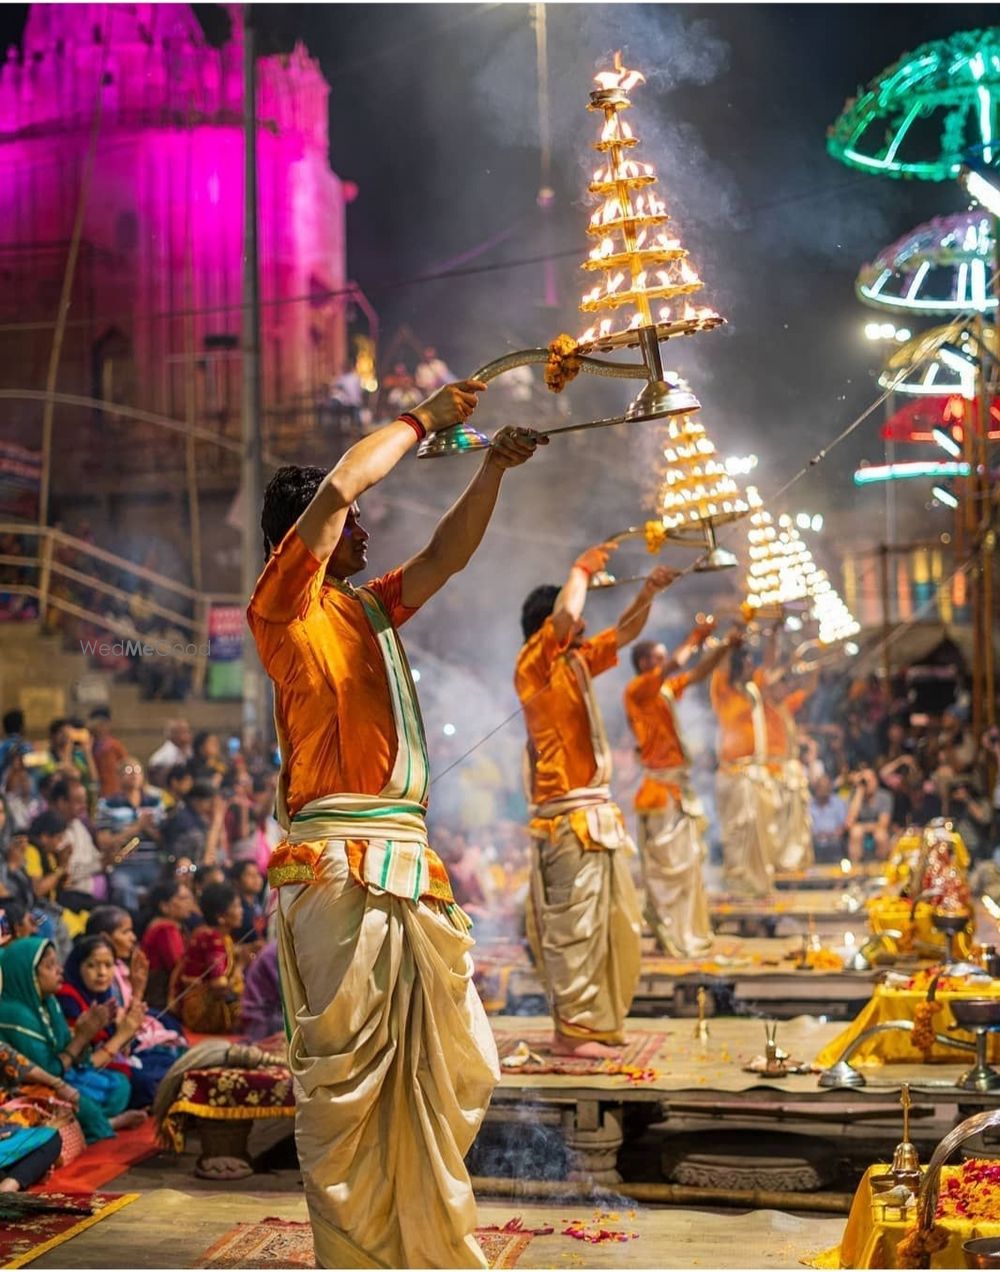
x=9, y=1185
x=128, y=1121
x=564, y=1046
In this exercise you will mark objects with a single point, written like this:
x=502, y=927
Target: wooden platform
x=589, y=1108
x=742, y=975
x=828, y=876
x=789, y=912
x=171, y=1227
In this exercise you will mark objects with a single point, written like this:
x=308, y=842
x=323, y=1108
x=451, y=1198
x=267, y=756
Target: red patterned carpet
x=24, y=1237
x=281, y=1243
x=636, y=1059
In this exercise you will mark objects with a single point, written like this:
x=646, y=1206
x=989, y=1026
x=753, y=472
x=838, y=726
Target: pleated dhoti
x=795, y=841
x=672, y=848
x=748, y=806
x=394, y=1064
x=584, y=925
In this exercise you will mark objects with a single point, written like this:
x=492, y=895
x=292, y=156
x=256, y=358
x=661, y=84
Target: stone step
x=40, y=675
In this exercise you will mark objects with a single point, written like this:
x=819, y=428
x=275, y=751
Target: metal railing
x=46, y=565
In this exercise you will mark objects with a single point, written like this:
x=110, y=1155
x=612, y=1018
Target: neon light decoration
x=937, y=362
x=920, y=116
x=917, y=419
x=935, y=469
x=940, y=268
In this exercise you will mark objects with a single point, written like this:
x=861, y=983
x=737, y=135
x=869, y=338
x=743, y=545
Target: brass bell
x=905, y=1159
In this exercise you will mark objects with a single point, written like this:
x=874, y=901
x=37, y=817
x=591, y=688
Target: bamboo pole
x=65, y=296
x=190, y=401
x=45, y=577
x=256, y=693
x=985, y=519
x=884, y=551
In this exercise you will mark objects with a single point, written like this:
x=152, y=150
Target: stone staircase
x=45, y=679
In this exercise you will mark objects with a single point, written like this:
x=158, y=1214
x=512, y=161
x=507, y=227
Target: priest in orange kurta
x=747, y=796
x=671, y=820
x=781, y=703
x=583, y=921
x=392, y=1056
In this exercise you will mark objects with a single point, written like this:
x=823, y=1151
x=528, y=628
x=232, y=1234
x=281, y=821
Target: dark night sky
x=433, y=115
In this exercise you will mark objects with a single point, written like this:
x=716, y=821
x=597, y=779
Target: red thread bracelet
x=415, y=424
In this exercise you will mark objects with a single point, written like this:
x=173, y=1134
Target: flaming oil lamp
x=645, y=279
x=782, y=574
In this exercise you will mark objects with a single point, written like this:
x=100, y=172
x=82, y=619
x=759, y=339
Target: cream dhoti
x=795, y=841
x=673, y=852
x=392, y=1055
x=583, y=918
x=748, y=807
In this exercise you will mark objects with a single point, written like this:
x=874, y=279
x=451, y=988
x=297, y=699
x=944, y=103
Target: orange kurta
x=331, y=693
x=555, y=710
x=651, y=718
x=734, y=711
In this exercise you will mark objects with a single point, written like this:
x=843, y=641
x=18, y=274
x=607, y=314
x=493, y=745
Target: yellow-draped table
x=889, y=913
x=871, y=1238
x=897, y=1046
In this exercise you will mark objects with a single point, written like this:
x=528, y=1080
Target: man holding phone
x=868, y=817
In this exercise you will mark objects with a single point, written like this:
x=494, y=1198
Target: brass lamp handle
x=528, y=357
x=930, y=1185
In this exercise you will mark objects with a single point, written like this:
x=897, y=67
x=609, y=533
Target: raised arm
x=769, y=653
x=373, y=458
x=460, y=531
x=714, y=657
x=633, y=618
x=690, y=645
x=570, y=602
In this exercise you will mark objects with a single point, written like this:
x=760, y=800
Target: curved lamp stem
x=657, y=398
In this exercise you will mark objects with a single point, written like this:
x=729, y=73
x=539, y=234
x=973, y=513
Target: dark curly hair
x=642, y=650
x=216, y=900
x=537, y=607
x=289, y=493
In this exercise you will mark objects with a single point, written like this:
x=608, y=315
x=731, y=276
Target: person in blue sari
x=27, y=1153
x=32, y=1022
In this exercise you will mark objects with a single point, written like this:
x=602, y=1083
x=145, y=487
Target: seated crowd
x=132, y=925
x=881, y=768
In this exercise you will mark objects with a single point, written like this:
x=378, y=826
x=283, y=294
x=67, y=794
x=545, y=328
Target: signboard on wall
x=20, y=481
x=226, y=632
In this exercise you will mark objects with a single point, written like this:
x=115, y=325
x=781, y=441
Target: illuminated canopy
x=923, y=114
x=940, y=268
x=937, y=362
